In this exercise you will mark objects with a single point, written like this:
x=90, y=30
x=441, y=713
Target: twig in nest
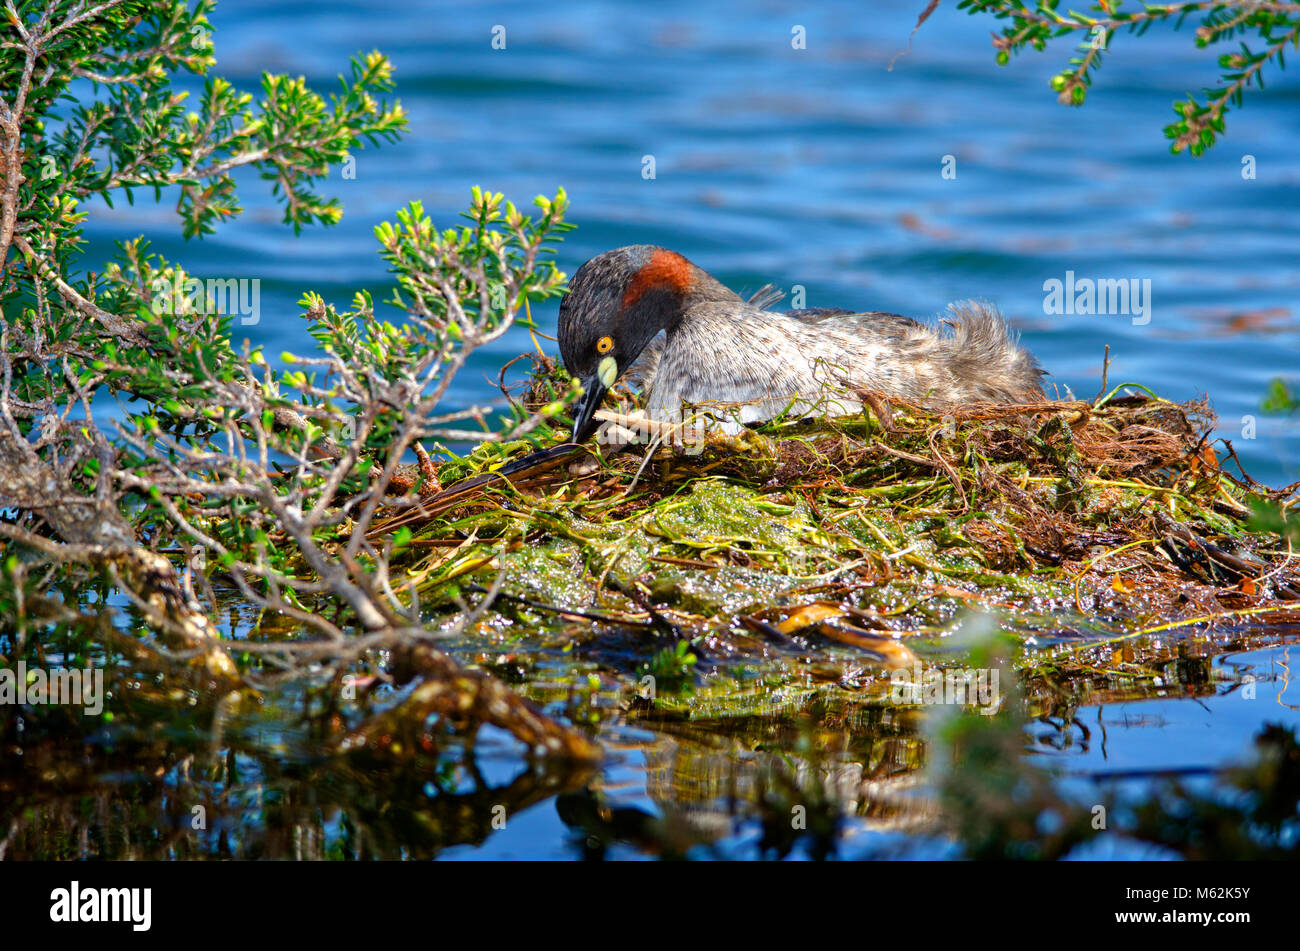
x=881, y=411
x=948, y=469
x=660, y=622
x=1105, y=372
x=563, y=612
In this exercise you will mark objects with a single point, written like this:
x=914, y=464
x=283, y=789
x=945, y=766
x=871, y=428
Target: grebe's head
x=616, y=304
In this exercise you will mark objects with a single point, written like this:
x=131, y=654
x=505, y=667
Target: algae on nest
x=812, y=555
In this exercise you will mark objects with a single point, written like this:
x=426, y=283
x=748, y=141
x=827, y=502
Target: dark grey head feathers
x=626, y=296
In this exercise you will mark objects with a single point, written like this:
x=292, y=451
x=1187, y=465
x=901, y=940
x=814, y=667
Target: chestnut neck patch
x=666, y=269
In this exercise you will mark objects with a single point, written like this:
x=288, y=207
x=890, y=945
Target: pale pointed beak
x=593, y=394
x=594, y=389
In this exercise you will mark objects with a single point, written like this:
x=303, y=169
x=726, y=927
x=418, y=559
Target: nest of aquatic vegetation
x=1081, y=522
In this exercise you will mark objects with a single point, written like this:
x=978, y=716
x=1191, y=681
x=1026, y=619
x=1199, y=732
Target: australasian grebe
x=721, y=351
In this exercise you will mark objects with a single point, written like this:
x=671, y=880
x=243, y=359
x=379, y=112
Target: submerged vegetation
x=282, y=573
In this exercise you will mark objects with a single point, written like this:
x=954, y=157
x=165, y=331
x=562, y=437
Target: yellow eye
x=605, y=344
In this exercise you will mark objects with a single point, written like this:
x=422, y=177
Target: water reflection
x=233, y=781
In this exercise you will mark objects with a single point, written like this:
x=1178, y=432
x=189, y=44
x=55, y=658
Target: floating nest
x=834, y=547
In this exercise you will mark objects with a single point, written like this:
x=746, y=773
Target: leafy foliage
x=672, y=668
x=1280, y=398
x=1275, y=24
x=266, y=479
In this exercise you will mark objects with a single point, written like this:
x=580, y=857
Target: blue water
x=817, y=167
x=822, y=168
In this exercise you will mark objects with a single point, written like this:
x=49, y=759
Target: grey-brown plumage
x=674, y=328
